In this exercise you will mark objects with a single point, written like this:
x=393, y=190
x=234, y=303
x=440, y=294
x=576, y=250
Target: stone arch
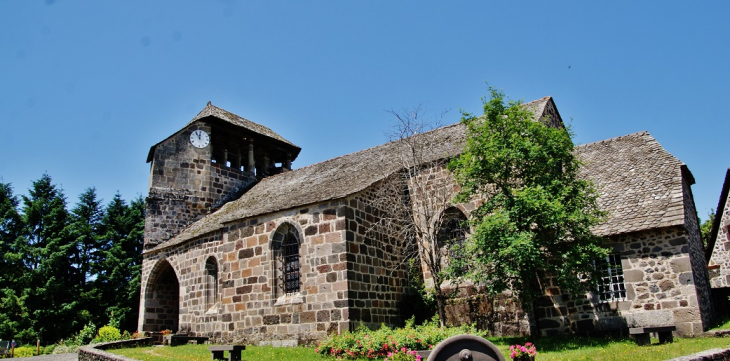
x=162, y=298
x=210, y=280
x=452, y=230
x=286, y=248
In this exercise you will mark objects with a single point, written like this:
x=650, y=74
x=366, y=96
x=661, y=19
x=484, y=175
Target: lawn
x=563, y=348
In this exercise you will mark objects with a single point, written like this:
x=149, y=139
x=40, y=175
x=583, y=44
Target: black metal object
x=465, y=348
x=289, y=263
x=612, y=286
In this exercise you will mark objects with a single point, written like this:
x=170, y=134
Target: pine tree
x=14, y=322
x=120, y=271
x=46, y=249
x=9, y=231
x=87, y=247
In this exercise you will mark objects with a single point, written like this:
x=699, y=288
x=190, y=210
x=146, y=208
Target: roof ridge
x=620, y=137
x=389, y=143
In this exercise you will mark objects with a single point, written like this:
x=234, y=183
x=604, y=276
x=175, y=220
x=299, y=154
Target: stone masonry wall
x=501, y=315
x=720, y=277
x=185, y=185
x=376, y=267
x=697, y=258
x=659, y=284
x=250, y=309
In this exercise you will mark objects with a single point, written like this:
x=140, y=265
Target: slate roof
x=329, y=180
x=639, y=183
x=212, y=110
x=236, y=120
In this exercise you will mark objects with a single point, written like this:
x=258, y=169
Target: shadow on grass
x=563, y=343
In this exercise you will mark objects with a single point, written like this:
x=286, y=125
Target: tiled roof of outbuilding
x=639, y=183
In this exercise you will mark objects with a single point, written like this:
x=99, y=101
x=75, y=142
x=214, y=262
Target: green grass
x=200, y=352
x=584, y=348
x=722, y=324
x=549, y=348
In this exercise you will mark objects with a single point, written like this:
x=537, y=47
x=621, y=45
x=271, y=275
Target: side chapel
x=240, y=247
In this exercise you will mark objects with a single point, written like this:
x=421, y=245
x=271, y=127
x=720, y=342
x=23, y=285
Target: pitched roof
x=638, y=181
x=329, y=180
x=212, y=110
x=228, y=117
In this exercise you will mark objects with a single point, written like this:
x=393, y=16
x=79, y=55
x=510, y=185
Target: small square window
x=611, y=284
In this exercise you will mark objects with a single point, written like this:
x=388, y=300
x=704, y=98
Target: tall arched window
x=452, y=231
x=211, y=283
x=286, y=253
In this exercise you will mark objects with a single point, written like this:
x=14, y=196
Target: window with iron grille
x=611, y=285
x=286, y=243
x=290, y=262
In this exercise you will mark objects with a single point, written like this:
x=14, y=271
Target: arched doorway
x=162, y=299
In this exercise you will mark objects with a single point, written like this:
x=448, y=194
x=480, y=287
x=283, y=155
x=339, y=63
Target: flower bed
x=364, y=342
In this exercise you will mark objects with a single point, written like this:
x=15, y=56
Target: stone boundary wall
x=96, y=352
x=715, y=354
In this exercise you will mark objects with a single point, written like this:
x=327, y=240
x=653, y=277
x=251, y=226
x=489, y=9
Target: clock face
x=199, y=139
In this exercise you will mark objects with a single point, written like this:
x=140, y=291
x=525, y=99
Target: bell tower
x=212, y=160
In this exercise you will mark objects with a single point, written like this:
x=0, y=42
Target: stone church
x=240, y=247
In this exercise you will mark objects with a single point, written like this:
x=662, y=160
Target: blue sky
x=87, y=87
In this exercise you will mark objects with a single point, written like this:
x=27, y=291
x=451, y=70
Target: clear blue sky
x=86, y=87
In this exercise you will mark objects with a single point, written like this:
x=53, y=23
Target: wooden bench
x=643, y=334
x=175, y=340
x=234, y=352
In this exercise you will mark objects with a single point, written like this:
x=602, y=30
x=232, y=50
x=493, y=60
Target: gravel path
x=59, y=357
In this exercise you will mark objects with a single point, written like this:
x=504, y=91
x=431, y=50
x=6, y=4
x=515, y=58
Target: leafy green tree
x=535, y=220
x=706, y=228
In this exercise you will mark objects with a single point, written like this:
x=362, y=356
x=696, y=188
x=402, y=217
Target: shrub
x=108, y=334
x=84, y=336
x=25, y=351
x=403, y=355
x=61, y=348
x=48, y=350
x=366, y=343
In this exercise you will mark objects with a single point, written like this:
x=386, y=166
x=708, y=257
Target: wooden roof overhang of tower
x=233, y=125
